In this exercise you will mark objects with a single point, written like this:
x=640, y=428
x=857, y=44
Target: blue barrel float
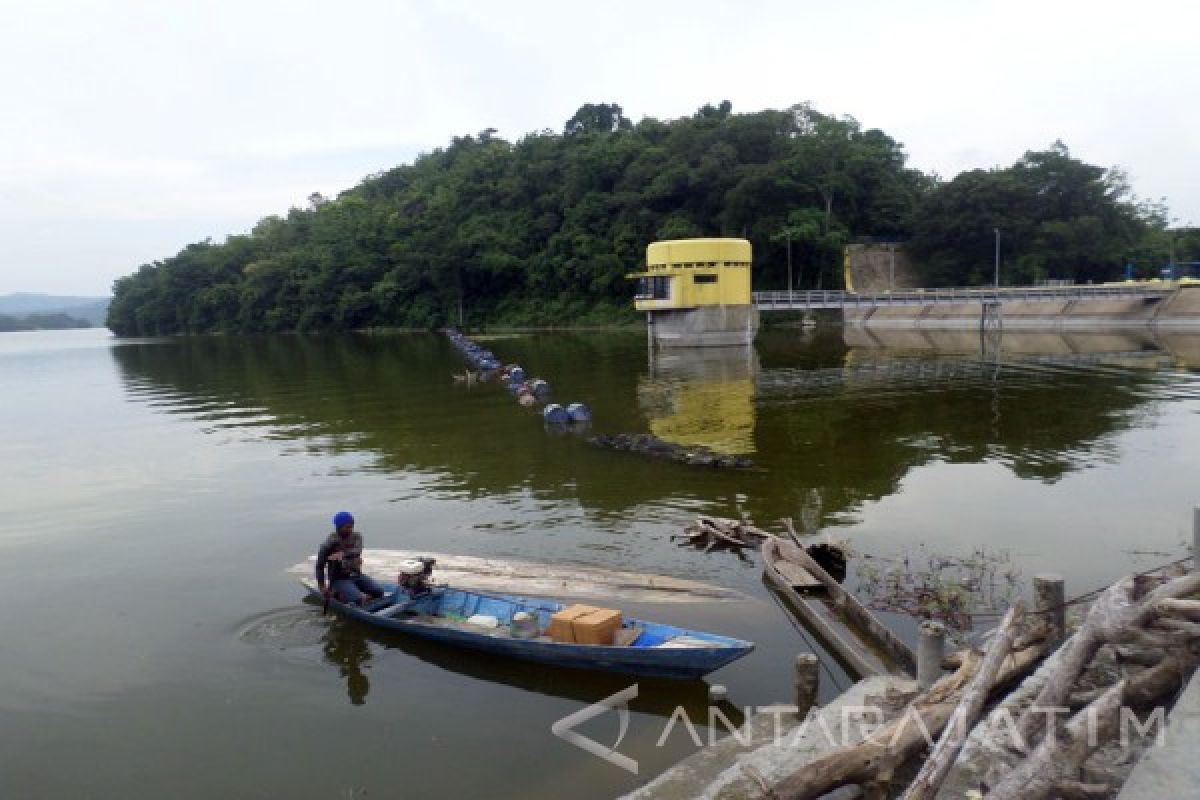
x=529, y=392
x=515, y=375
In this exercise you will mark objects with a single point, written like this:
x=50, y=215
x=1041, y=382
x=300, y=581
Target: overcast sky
x=129, y=129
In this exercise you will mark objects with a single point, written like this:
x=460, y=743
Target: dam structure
x=1130, y=304
x=698, y=293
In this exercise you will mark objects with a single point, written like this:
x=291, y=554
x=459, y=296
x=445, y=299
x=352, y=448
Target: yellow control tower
x=696, y=293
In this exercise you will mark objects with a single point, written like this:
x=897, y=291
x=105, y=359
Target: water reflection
x=1136, y=347
x=702, y=396
x=833, y=419
x=946, y=438
x=346, y=648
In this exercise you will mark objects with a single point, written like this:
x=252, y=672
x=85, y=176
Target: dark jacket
x=350, y=566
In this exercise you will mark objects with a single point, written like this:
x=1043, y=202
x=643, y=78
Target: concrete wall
x=869, y=268
x=1181, y=309
x=1146, y=346
x=708, y=326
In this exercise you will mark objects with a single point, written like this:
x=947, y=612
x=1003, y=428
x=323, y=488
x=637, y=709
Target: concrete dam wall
x=1178, y=310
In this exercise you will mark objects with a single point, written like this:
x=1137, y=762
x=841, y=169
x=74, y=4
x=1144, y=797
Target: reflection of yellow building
x=702, y=397
x=697, y=292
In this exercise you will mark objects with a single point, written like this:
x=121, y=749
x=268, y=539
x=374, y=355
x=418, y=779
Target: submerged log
x=649, y=445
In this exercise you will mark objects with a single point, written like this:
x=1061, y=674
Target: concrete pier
x=706, y=326
x=931, y=649
x=808, y=679
x=1173, y=769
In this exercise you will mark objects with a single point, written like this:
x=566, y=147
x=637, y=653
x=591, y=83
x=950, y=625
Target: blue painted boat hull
x=656, y=652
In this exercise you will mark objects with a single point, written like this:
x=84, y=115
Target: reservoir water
x=154, y=493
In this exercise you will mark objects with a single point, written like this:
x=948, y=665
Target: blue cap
x=342, y=518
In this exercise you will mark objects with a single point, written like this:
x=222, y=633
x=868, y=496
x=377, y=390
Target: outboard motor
x=416, y=576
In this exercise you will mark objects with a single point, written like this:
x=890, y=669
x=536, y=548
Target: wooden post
x=1196, y=539
x=966, y=713
x=930, y=651
x=1049, y=599
x=807, y=682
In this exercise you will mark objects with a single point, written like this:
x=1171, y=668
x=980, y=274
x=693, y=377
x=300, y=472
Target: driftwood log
x=1149, y=624
x=1117, y=616
x=871, y=763
x=966, y=714
x=650, y=445
x=721, y=532
x=1136, y=616
x=1075, y=790
x=1144, y=688
x=1056, y=761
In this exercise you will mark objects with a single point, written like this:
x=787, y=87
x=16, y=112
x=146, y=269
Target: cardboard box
x=598, y=627
x=627, y=636
x=561, y=628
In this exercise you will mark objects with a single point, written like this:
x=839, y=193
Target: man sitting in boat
x=341, y=556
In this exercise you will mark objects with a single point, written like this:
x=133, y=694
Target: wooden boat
x=544, y=579
x=852, y=634
x=647, y=648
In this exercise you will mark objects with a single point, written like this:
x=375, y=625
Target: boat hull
x=851, y=634
x=641, y=658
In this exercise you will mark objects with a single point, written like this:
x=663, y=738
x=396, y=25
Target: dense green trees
x=1058, y=218
x=543, y=230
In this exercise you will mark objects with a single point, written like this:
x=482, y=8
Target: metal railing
x=801, y=300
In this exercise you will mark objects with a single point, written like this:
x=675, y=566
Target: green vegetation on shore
x=542, y=231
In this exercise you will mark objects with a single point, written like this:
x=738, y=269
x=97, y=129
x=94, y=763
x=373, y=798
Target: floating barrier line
x=529, y=392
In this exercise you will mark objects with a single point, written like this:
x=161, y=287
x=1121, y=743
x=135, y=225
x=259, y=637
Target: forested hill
x=92, y=310
x=543, y=230
x=40, y=322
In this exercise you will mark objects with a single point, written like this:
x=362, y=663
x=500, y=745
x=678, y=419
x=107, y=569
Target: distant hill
x=41, y=322
x=91, y=309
